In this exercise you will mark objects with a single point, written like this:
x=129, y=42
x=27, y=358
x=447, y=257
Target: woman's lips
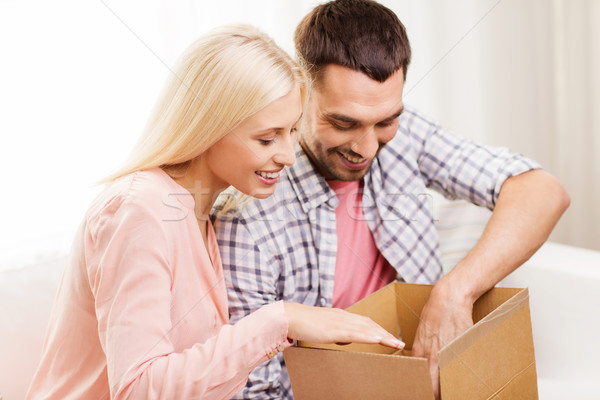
x=268, y=177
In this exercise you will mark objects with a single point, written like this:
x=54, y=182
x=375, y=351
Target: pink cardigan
x=141, y=312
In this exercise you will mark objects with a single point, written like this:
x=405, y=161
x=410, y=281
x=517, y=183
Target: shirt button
x=271, y=354
x=280, y=347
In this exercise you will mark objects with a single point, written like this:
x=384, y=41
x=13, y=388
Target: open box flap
x=495, y=355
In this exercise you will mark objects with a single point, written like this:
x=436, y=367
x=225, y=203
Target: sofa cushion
x=27, y=293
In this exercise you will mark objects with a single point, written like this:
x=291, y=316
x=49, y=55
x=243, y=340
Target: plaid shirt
x=284, y=247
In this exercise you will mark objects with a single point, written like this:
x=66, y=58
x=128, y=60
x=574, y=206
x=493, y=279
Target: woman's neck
x=199, y=180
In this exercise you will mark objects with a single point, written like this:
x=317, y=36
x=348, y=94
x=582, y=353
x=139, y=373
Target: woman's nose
x=286, y=154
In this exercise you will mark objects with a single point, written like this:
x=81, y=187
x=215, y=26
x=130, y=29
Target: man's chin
x=344, y=174
x=334, y=169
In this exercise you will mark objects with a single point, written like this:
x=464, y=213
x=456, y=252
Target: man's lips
x=354, y=163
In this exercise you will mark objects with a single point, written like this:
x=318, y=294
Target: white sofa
x=26, y=295
x=563, y=281
x=564, y=296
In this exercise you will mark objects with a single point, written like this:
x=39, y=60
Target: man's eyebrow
x=396, y=115
x=345, y=118
x=341, y=117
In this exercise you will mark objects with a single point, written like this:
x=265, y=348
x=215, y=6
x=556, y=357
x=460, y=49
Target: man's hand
x=446, y=315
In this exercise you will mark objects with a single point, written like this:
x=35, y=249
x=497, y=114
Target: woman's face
x=251, y=156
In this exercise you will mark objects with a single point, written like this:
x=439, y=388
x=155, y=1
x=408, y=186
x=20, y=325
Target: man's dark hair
x=362, y=35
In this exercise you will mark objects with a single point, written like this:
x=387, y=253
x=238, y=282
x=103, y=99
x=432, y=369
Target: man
x=350, y=215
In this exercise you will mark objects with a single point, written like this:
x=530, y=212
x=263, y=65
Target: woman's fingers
x=383, y=337
x=374, y=333
x=393, y=342
x=330, y=325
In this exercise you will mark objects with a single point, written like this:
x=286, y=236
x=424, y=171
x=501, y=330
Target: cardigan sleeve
x=129, y=268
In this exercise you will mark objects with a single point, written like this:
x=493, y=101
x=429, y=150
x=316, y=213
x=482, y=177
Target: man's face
x=350, y=117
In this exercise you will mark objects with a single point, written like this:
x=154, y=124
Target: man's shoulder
x=410, y=122
x=414, y=129
x=415, y=123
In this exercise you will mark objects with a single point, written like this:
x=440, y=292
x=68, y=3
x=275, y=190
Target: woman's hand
x=332, y=325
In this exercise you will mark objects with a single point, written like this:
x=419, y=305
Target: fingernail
x=398, y=343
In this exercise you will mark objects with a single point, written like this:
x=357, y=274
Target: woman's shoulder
x=151, y=193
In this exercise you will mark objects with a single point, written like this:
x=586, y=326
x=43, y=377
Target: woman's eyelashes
x=265, y=141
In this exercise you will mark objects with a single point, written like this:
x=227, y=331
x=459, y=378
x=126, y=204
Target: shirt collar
x=310, y=186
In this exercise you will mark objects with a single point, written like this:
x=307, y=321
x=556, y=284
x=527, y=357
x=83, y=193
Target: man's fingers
x=435, y=376
x=423, y=342
x=417, y=349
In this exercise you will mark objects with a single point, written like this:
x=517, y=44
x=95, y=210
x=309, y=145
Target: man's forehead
x=344, y=94
x=339, y=83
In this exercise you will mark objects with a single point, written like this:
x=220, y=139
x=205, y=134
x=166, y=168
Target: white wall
x=521, y=74
x=79, y=78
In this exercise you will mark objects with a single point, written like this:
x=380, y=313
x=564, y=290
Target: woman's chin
x=261, y=193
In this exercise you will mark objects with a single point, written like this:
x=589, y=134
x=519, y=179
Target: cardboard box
x=492, y=360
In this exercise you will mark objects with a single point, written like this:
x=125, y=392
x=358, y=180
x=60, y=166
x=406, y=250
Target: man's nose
x=366, y=144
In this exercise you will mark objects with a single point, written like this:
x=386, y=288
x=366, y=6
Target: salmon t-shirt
x=360, y=268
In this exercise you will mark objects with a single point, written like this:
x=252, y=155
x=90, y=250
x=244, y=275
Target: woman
x=142, y=310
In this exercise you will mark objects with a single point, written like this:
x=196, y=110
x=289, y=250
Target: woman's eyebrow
x=277, y=128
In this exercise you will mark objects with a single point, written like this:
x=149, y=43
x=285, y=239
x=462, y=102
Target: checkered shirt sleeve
x=458, y=167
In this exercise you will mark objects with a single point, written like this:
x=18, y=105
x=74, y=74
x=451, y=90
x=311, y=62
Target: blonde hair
x=220, y=80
